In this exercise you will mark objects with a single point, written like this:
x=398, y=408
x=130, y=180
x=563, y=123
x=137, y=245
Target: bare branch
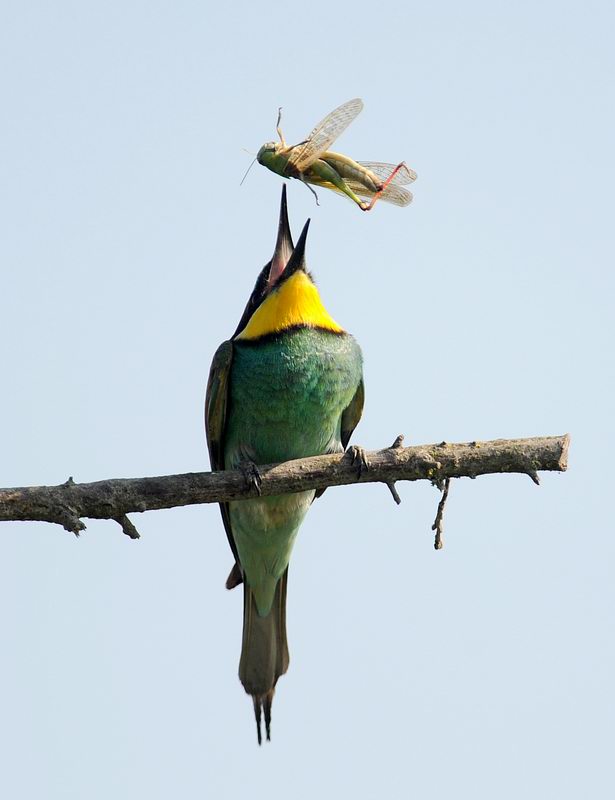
x=394, y=492
x=67, y=503
x=128, y=527
x=438, y=525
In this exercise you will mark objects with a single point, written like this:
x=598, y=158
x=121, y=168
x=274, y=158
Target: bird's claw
x=252, y=476
x=358, y=458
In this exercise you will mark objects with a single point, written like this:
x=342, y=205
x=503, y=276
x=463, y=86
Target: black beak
x=283, y=246
x=297, y=260
x=285, y=257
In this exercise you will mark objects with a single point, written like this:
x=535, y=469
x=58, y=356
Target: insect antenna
x=248, y=170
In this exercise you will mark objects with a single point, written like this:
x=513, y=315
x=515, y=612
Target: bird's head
x=287, y=260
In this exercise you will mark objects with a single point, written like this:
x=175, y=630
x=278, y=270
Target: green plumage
x=286, y=395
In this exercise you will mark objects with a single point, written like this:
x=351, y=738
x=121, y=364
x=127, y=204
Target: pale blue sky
x=484, y=310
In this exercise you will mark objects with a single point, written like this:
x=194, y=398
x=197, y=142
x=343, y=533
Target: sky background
x=485, y=310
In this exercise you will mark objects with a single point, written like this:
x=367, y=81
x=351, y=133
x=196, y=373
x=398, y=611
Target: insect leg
x=384, y=186
x=327, y=174
x=277, y=127
x=305, y=183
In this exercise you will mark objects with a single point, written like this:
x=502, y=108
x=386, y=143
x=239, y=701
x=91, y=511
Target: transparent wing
x=324, y=134
x=404, y=176
x=396, y=195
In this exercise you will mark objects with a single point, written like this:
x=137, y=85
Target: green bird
x=288, y=384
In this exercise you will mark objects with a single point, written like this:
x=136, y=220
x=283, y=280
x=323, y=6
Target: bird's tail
x=264, y=651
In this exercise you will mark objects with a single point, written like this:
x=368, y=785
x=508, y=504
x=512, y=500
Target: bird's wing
x=352, y=414
x=350, y=419
x=324, y=134
x=216, y=401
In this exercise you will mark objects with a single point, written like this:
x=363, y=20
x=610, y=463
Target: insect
x=364, y=182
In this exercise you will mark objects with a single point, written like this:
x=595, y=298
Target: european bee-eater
x=288, y=384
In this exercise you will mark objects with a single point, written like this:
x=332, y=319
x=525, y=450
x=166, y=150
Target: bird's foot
x=252, y=476
x=358, y=458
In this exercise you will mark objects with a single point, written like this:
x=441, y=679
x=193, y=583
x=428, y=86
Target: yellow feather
x=295, y=302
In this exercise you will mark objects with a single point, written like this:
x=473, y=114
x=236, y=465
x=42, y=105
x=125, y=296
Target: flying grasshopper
x=364, y=182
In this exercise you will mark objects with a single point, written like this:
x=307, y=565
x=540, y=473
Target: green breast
x=286, y=397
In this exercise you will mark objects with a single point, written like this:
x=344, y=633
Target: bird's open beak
x=297, y=260
x=283, y=246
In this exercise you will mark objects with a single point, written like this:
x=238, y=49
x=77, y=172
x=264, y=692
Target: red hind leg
x=384, y=186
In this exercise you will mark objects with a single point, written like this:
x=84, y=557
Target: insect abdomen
x=351, y=171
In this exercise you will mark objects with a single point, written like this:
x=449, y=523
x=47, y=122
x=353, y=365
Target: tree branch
x=113, y=499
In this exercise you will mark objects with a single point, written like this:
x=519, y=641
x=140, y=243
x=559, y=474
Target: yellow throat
x=295, y=302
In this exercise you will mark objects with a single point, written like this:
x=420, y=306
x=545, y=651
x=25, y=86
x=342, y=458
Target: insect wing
x=396, y=195
x=383, y=171
x=324, y=134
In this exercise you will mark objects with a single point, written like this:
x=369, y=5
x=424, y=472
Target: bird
x=287, y=384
